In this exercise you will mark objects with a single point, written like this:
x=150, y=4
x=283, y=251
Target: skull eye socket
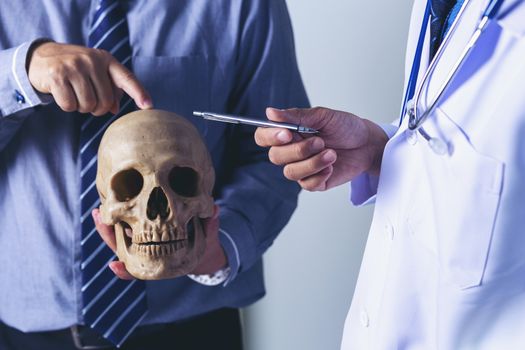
x=127, y=184
x=184, y=181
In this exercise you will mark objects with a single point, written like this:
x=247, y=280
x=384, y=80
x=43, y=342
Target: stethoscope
x=410, y=104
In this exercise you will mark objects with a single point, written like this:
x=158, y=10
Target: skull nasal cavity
x=157, y=204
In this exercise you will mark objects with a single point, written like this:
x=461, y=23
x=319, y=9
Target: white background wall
x=351, y=56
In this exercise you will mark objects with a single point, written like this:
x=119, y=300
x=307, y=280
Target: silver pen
x=256, y=122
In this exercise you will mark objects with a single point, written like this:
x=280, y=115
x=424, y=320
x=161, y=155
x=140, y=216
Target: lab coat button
x=411, y=136
x=365, y=322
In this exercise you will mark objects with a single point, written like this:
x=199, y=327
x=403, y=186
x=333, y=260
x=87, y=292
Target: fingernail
x=317, y=144
x=146, y=104
x=329, y=156
x=283, y=136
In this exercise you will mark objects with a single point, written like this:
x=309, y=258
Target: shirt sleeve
x=17, y=96
x=363, y=188
x=256, y=201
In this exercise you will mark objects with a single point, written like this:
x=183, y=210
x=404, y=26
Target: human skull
x=155, y=178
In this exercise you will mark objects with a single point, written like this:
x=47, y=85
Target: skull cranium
x=155, y=178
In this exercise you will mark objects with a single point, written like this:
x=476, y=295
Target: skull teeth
x=161, y=234
x=158, y=250
x=155, y=236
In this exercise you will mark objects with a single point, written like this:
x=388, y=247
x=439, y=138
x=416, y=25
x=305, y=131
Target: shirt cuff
x=363, y=189
x=22, y=94
x=227, y=274
x=213, y=279
x=237, y=239
x=232, y=254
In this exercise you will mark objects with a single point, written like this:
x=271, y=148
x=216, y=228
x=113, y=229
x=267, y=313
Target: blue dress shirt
x=222, y=55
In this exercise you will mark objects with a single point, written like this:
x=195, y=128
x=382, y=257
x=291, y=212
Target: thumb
x=299, y=116
x=292, y=115
x=315, y=117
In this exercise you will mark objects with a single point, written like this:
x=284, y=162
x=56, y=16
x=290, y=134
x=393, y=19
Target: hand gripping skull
x=155, y=179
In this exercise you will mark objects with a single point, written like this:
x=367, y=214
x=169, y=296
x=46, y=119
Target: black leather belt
x=85, y=338
x=222, y=327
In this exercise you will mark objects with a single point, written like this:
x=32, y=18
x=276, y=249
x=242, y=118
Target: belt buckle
x=86, y=339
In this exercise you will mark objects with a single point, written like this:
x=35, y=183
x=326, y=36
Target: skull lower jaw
x=161, y=260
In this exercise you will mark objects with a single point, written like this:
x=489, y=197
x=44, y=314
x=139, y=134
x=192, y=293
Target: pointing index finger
x=126, y=80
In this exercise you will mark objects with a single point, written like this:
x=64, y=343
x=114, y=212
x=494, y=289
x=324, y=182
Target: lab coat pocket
x=467, y=187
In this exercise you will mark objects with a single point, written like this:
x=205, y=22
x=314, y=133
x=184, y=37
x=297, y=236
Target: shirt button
x=389, y=232
x=20, y=99
x=365, y=322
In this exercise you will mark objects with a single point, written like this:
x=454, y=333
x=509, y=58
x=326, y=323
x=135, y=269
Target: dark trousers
x=217, y=330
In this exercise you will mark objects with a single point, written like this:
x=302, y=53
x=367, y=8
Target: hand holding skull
x=213, y=259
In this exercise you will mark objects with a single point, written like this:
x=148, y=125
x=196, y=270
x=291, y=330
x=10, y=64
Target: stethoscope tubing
x=414, y=121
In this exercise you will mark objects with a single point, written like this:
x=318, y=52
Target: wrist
x=34, y=45
x=377, y=139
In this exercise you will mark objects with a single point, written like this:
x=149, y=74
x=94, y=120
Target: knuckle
x=300, y=151
x=311, y=185
x=87, y=65
x=307, y=186
x=77, y=63
x=105, y=104
x=90, y=104
x=56, y=74
x=316, y=165
x=68, y=105
x=98, y=112
x=320, y=112
x=102, y=108
x=102, y=53
x=104, y=56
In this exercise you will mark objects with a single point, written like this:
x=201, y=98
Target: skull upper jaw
x=161, y=261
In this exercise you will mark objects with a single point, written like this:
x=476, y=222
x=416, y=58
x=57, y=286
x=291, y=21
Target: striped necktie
x=111, y=306
x=439, y=10
x=443, y=12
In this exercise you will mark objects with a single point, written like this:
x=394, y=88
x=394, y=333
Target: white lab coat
x=444, y=265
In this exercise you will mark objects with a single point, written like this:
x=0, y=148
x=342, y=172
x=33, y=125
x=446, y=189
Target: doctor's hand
x=83, y=79
x=345, y=147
